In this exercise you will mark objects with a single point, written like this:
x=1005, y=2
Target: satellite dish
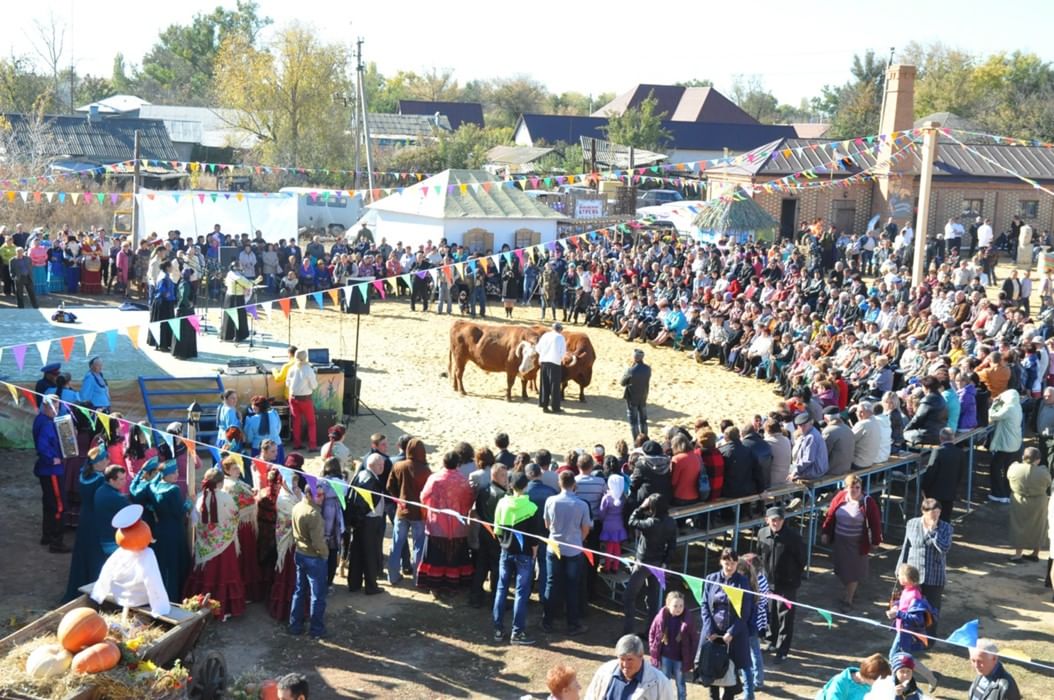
x=873, y=222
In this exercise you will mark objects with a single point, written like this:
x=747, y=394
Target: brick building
x=965, y=184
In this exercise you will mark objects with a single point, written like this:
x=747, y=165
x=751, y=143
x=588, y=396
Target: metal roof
x=953, y=160
x=116, y=104
x=207, y=126
x=457, y=112
x=680, y=104
x=484, y=197
x=104, y=140
x=516, y=155
x=691, y=136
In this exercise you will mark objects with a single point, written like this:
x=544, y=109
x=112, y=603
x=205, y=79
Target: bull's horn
x=574, y=359
x=519, y=350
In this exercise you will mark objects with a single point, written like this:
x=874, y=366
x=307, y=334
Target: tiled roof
x=106, y=140
x=405, y=125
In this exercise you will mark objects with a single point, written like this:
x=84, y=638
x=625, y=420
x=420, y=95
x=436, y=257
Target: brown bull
x=577, y=364
x=491, y=348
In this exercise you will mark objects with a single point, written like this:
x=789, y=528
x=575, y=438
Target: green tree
x=572, y=103
x=21, y=88
x=119, y=76
x=510, y=97
x=1015, y=95
x=943, y=80
x=180, y=66
x=854, y=108
x=696, y=82
x=283, y=94
x=749, y=93
x=639, y=127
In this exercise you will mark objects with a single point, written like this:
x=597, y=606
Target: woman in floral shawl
x=266, y=517
x=245, y=499
x=285, y=569
x=446, y=560
x=216, y=570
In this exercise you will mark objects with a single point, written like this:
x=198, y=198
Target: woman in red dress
x=245, y=499
x=266, y=518
x=216, y=570
x=285, y=568
x=446, y=561
x=91, y=268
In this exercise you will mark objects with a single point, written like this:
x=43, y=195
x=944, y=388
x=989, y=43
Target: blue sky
x=794, y=47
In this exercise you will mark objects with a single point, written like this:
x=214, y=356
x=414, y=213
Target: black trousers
x=637, y=579
x=51, y=510
x=997, y=466
x=25, y=284
x=488, y=556
x=781, y=622
x=933, y=597
x=419, y=293
x=549, y=386
x=365, y=559
x=5, y=277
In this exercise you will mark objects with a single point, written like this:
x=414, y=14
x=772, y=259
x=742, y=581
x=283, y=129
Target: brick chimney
x=895, y=185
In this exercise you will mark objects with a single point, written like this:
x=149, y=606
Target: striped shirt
x=591, y=488
x=761, y=610
x=927, y=550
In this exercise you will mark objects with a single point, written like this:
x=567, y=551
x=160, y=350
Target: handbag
x=712, y=665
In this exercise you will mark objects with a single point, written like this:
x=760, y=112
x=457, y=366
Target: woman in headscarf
x=38, y=258
x=87, y=558
x=263, y=424
x=185, y=346
x=56, y=268
x=281, y=599
x=136, y=448
x=266, y=514
x=156, y=488
x=216, y=569
x=1029, y=493
x=244, y=498
x=91, y=268
x=612, y=522
x=446, y=560
x=163, y=308
x=178, y=452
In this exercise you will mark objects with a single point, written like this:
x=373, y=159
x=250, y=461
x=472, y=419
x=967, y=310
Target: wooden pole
x=929, y=153
x=136, y=179
x=192, y=478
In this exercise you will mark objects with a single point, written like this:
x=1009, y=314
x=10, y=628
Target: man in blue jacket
x=49, y=470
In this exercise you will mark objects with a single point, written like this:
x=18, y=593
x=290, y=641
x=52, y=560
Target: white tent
x=467, y=207
x=195, y=212
x=681, y=216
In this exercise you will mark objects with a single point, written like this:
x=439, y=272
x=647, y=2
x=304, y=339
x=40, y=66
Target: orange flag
x=286, y=305
x=67, y=346
x=334, y=294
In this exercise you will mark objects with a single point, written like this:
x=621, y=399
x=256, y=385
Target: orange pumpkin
x=269, y=690
x=135, y=538
x=80, y=628
x=97, y=658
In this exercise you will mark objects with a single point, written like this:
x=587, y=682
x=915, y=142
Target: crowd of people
x=864, y=367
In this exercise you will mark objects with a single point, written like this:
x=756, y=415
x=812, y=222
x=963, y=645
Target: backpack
x=703, y=484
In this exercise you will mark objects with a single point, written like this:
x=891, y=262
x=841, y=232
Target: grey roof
x=106, y=140
x=616, y=155
x=408, y=126
x=954, y=161
x=209, y=127
x=484, y=197
x=458, y=112
x=780, y=157
x=680, y=104
x=516, y=155
x=116, y=104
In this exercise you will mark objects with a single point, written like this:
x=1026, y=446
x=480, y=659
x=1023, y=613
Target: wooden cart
x=208, y=671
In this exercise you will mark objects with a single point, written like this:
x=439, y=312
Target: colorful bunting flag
x=194, y=322
x=658, y=573
x=285, y=304
x=823, y=613
x=735, y=597
x=966, y=635
x=317, y=296
x=695, y=585
x=105, y=420
x=111, y=340
x=133, y=335
x=43, y=347
x=234, y=316
x=553, y=547
x=176, y=326
x=30, y=398
x=14, y=392
x=19, y=351
x=341, y=490
x=364, y=495
x=89, y=341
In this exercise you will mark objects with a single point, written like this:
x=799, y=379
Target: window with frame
x=973, y=207
x=1028, y=208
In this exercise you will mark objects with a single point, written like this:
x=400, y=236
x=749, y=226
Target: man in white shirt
x=302, y=382
x=551, y=350
x=868, y=434
x=984, y=234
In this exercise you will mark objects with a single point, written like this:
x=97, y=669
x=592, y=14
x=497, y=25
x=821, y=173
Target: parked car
x=651, y=198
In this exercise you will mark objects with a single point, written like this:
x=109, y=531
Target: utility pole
x=136, y=179
x=929, y=153
x=363, y=111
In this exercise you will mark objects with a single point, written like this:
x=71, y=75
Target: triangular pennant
x=286, y=305
x=287, y=476
x=317, y=296
x=14, y=392
x=341, y=490
x=735, y=597
x=364, y=495
x=19, y=351
x=233, y=315
x=589, y=557
x=194, y=322
x=252, y=311
x=695, y=585
x=43, y=347
x=155, y=330
x=488, y=528
x=147, y=432
x=518, y=536
x=30, y=398
x=334, y=294
x=133, y=335
x=67, y=346
x=170, y=440
x=825, y=615
x=300, y=301
x=89, y=341
x=361, y=288
x=176, y=326
x=553, y=547
x=379, y=286
x=965, y=635
x=111, y=340
x=658, y=573
x=105, y=420
x=312, y=483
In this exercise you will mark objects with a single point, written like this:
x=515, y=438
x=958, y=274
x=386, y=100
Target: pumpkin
x=97, y=658
x=48, y=661
x=135, y=538
x=80, y=628
x=269, y=690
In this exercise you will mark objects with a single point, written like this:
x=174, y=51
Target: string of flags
x=964, y=637
x=991, y=161
x=999, y=140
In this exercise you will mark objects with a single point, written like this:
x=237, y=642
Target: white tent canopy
x=195, y=212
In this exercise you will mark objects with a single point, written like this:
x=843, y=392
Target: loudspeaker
x=352, y=386
x=353, y=302
x=228, y=255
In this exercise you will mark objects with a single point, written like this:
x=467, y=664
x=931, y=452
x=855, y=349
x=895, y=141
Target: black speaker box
x=353, y=302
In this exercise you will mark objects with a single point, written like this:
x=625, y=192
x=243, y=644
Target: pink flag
x=195, y=322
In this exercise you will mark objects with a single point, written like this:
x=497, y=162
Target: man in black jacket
x=941, y=479
x=761, y=451
x=489, y=552
x=743, y=475
x=636, y=381
x=783, y=555
x=656, y=541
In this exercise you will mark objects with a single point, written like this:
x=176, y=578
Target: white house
x=466, y=207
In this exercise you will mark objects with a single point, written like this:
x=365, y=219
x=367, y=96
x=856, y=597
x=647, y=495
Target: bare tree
x=49, y=45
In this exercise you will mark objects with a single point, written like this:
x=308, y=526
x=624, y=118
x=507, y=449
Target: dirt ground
x=408, y=644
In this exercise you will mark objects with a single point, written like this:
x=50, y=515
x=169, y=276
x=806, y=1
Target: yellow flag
x=1015, y=654
x=133, y=335
x=735, y=596
x=365, y=495
x=14, y=392
x=553, y=547
x=105, y=418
